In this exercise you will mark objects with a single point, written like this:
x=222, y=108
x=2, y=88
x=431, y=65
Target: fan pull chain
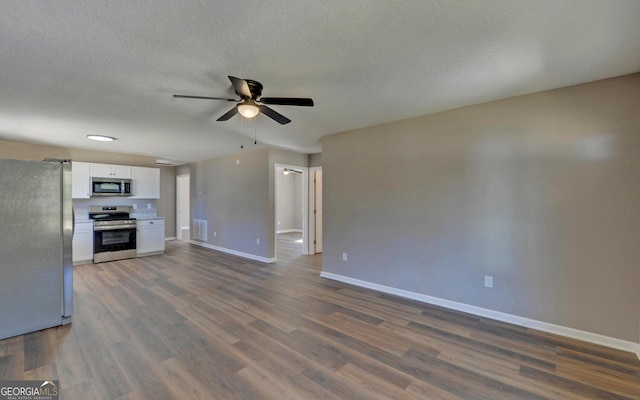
x=241, y=129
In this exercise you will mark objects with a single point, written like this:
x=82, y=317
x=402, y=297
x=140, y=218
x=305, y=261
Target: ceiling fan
x=251, y=102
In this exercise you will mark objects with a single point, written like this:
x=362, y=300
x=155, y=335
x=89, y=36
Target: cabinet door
x=81, y=180
x=121, y=171
x=110, y=171
x=150, y=236
x=101, y=170
x=82, y=247
x=145, y=182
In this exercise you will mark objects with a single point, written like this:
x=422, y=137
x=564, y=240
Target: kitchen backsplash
x=144, y=208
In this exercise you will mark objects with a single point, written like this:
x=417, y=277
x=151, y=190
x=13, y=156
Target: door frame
x=178, y=189
x=310, y=247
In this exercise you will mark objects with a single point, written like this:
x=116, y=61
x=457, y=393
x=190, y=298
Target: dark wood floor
x=197, y=324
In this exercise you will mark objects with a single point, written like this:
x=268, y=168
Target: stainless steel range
x=114, y=233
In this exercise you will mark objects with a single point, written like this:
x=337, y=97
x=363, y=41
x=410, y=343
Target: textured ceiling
x=71, y=68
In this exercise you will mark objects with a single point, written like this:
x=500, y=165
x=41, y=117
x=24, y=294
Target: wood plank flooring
x=198, y=324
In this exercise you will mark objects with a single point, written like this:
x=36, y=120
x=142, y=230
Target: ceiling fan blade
x=228, y=114
x=287, y=101
x=184, y=96
x=241, y=86
x=276, y=116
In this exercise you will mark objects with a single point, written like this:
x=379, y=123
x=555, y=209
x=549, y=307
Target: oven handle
x=113, y=227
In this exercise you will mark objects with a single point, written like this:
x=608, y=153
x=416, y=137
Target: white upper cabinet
x=80, y=180
x=145, y=183
x=111, y=171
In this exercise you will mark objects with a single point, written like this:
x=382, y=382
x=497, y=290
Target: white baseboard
x=497, y=315
x=234, y=252
x=170, y=238
x=289, y=231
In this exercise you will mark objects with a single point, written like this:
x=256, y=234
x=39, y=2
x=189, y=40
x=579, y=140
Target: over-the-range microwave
x=110, y=187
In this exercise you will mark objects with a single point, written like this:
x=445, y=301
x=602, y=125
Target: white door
x=318, y=210
x=182, y=205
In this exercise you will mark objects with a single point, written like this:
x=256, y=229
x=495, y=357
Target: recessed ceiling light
x=101, y=138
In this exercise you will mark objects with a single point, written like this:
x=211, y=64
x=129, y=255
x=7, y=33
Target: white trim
x=234, y=252
x=310, y=247
x=602, y=340
x=178, y=204
x=170, y=238
x=289, y=231
x=311, y=192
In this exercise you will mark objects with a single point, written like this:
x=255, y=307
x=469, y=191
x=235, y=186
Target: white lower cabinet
x=150, y=236
x=82, y=246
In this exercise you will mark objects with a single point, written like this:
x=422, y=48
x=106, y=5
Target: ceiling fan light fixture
x=248, y=109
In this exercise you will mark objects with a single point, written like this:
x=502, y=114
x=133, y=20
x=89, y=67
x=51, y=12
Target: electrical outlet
x=135, y=206
x=344, y=256
x=148, y=206
x=237, y=162
x=214, y=233
x=488, y=281
x=258, y=241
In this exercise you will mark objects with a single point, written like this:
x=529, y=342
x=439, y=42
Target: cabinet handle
x=151, y=223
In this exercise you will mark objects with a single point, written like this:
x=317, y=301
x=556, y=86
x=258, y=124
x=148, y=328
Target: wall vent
x=199, y=229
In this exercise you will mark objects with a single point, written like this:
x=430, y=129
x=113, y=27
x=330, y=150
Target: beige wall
x=315, y=160
x=166, y=206
x=542, y=192
x=29, y=151
x=167, y=200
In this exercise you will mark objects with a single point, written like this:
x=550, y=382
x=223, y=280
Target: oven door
x=114, y=243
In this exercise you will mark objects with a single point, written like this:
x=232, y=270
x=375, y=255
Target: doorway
x=182, y=208
x=290, y=201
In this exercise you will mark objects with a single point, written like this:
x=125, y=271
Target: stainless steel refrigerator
x=36, y=231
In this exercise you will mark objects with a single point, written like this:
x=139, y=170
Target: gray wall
x=231, y=193
x=541, y=192
x=237, y=199
x=315, y=160
x=288, y=201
